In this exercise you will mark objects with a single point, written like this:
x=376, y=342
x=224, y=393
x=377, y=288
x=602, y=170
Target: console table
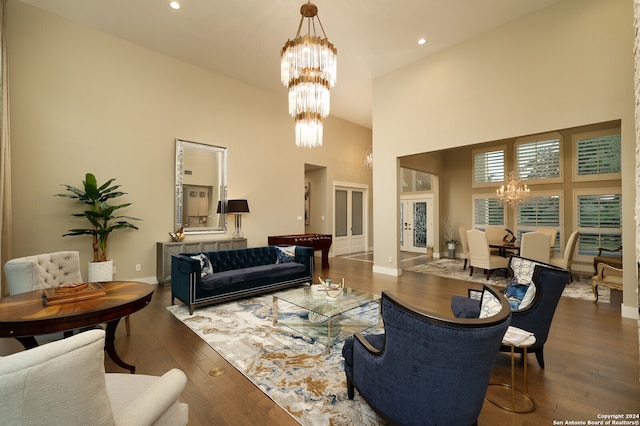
x=164, y=250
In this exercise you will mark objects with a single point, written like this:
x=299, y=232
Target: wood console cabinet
x=166, y=249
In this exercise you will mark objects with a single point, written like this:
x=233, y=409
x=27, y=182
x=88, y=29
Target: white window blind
x=599, y=222
x=598, y=155
x=540, y=211
x=538, y=159
x=488, y=166
x=487, y=211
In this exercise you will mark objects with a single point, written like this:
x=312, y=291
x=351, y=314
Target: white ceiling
x=242, y=39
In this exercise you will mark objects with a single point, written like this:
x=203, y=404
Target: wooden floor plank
x=591, y=356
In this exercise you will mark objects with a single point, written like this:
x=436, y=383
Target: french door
x=349, y=220
x=416, y=223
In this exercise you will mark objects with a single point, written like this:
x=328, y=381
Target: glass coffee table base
x=322, y=320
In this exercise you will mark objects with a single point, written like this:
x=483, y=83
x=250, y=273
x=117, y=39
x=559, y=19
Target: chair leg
x=488, y=272
x=350, y=389
x=470, y=270
x=128, y=325
x=540, y=357
x=465, y=265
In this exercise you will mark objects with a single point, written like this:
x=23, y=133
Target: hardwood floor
x=591, y=357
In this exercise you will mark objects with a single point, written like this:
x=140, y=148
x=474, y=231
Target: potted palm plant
x=102, y=218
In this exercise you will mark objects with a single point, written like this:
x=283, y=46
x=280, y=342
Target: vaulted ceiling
x=242, y=39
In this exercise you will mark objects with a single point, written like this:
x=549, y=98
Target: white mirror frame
x=219, y=189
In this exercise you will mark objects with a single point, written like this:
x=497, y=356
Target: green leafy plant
x=100, y=214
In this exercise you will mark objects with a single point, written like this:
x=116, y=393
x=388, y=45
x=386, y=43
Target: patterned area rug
x=579, y=288
x=295, y=372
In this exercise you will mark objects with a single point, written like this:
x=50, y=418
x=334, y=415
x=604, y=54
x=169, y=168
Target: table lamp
x=237, y=207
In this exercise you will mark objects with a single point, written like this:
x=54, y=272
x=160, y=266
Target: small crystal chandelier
x=513, y=194
x=308, y=69
x=368, y=159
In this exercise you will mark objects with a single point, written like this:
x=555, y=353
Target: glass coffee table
x=307, y=311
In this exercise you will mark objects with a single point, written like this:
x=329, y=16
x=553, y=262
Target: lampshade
x=308, y=69
x=237, y=206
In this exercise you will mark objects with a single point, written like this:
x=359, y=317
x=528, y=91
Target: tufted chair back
x=42, y=271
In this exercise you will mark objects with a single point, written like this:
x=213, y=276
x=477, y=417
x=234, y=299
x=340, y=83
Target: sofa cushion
x=234, y=276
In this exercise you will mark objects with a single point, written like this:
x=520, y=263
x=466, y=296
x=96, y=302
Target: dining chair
x=480, y=256
x=464, y=242
x=495, y=233
x=553, y=233
x=535, y=246
x=567, y=257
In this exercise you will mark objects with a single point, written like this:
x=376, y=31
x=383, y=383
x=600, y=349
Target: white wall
x=83, y=101
x=568, y=65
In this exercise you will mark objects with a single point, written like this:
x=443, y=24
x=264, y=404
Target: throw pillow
x=523, y=269
x=519, y=295
x=285, y=254
x=528, y=297
x=205, y=264
x=489, y=306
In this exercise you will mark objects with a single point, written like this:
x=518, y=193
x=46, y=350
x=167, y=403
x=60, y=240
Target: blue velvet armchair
x=425, y=369
x=535, y=316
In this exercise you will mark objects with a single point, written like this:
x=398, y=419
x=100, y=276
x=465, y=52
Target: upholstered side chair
x=425, y=369
x=64, y=382
x=566, y=259
x=464, y=242
x=607, y=276
x=479, y=255
x=553, y=234
x=548, y=284
x=535, y=246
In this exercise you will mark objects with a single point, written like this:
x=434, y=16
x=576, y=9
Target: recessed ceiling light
x=174, y=5
x=422, y=41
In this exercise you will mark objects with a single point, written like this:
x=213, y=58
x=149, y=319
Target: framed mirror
x=201, y=187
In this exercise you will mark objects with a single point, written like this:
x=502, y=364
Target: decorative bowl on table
x=333, y=290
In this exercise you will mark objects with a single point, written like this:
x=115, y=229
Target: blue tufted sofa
x=236, y=274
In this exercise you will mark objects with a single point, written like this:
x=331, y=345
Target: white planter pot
x=101, y=271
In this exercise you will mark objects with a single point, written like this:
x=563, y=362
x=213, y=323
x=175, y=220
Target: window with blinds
x=599, y=219
x=488, y=166
x=487, y=211
x=542, y=210
x=539, y=158
x=597, y=155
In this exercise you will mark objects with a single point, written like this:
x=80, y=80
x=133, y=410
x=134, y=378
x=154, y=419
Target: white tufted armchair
x=42, y=271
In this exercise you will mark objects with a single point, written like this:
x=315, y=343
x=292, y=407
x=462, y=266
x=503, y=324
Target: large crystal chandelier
x=512, y=194
x=308, y=69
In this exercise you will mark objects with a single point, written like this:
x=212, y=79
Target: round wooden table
x=23, y=316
